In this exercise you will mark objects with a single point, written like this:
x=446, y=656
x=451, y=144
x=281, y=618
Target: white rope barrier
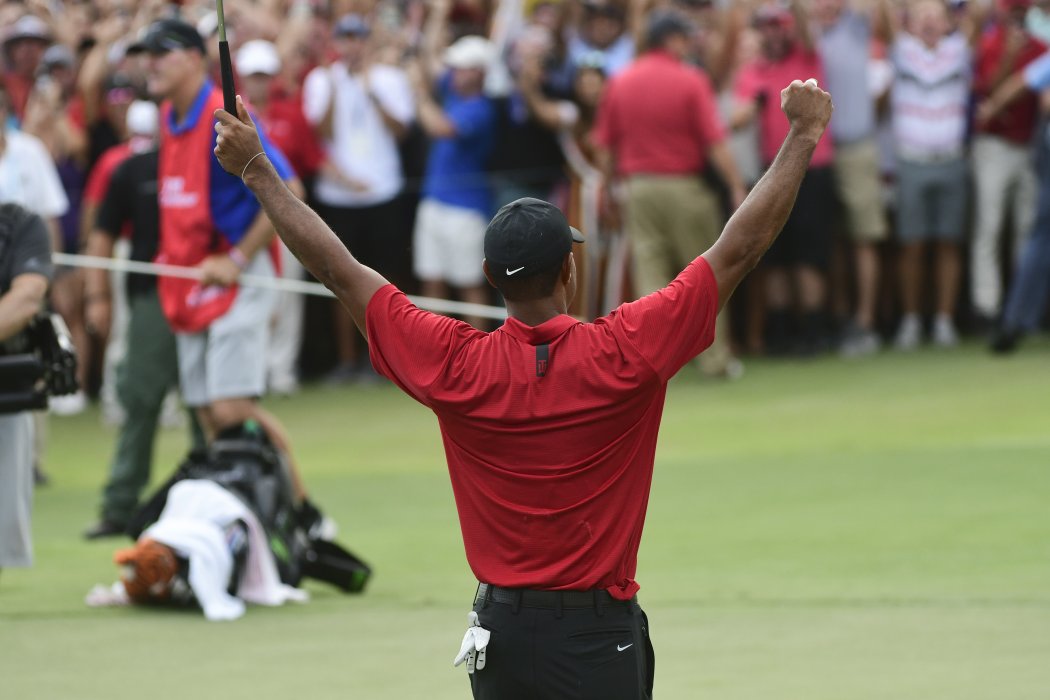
x=442, y=306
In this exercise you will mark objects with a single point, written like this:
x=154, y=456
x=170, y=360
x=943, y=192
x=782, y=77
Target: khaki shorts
x=856, y=169
x=228, y=359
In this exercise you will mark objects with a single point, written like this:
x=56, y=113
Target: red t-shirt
x=763, y=81
x=550, y=473
x=18, y=88
x=1016, y=122
x=659, y=117
x=292, y=134
x=102, y=173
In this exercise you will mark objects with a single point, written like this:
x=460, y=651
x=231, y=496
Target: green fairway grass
x=829, y=530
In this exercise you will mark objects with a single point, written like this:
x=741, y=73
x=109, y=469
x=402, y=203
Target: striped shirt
x=930, y=96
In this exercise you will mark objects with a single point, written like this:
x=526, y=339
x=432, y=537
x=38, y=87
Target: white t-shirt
x=28, y=177
x=361, y=145
x=615, y=58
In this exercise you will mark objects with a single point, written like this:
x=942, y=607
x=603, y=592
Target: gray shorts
x=932, y=200
x=228, y=360
x=16, y=489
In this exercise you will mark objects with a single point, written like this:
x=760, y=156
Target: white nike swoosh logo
x=511, y=272
x=620, y=648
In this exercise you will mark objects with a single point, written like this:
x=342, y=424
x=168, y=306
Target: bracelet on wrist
x=238, y=257
x=250, y=161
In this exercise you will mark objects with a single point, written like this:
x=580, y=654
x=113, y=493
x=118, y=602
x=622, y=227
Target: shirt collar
x=541, y=334
x=194, y=113
x=664, y=55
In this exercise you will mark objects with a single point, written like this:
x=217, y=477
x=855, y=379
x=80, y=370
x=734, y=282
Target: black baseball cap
x=603, y=8
x=168, y=35
x=528, y=235
x=663, y=25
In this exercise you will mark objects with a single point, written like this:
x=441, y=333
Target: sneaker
x=944, y=334
x=172, y=415
x=104, y=528
x=367, y=376
x=733, y=370
x=859, y=342
x=113, y=414
x=284, y=385
x=909, y=334
x=68, y=405
x=342, y=374
x=1005, y=341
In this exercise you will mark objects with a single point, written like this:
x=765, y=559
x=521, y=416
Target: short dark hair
x=663, y=25
x=537, y=285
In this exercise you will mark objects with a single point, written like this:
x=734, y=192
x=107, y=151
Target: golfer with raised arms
x=549, y=424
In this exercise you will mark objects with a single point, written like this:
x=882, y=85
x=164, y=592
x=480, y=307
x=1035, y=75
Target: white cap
x=258, y=56
x=143, y=118
x=470, y=52
x=28, y=27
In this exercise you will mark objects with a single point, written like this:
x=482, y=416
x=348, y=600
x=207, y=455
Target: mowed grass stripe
x=818, y=530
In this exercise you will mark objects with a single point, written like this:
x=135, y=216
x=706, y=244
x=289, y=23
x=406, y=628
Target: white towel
x=193, y=523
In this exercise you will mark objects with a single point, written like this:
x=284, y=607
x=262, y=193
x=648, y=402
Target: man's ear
x=566, y=268
x=488, y=273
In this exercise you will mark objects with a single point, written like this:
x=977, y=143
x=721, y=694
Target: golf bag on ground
x=244, y=462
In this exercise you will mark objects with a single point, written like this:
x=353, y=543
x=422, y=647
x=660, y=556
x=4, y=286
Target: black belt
x=552, y=600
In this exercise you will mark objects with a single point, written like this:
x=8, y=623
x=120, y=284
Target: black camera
x=43, y=363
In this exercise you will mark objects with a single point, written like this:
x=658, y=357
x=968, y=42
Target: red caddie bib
x=187, y=232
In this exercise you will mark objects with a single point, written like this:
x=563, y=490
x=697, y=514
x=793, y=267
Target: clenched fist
x=807, y=107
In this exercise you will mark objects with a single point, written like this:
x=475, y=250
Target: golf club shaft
x=229, y=92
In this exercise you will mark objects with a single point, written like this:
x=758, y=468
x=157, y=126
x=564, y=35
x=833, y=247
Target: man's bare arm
x=758, y=221
x=21, y=303
x=302, y=230
x=1005, y=95
x=97, y=294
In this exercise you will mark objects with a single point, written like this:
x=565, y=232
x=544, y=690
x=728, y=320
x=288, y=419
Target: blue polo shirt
x=233, y=206
x=456, y=168
x=1037, y=73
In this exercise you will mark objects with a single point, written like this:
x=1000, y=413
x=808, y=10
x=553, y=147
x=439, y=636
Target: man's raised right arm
x=308, y=237
x=755, y=225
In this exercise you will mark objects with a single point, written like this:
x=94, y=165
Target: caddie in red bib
x=187, y=231
x=211, y=221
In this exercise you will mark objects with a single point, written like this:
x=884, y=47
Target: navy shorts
x=806, y=238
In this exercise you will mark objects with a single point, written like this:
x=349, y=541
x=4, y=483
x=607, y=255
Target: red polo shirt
x=549, y=431
x=288, y=129
x=1016, y=122
x=762, y=81
x=659, y=117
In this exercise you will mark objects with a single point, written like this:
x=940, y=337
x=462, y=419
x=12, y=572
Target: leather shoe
x=1005, y=341
x=104, y=528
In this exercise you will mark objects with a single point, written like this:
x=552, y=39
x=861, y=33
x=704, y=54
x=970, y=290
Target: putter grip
x=229, y=92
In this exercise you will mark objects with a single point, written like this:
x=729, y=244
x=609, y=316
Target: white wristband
x=260, y=153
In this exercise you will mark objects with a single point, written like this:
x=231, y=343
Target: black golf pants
x=599, y=652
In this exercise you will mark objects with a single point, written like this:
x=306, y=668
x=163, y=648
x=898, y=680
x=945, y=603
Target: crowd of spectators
x=411, y=121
